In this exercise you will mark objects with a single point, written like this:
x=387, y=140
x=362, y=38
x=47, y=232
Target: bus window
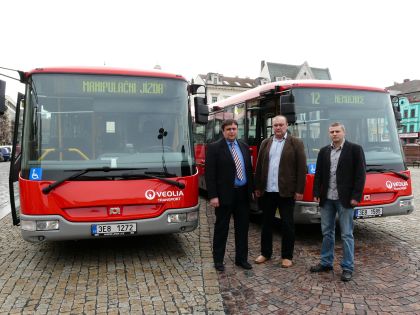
x=268, y=127
x=228, y=114
x=199, y=133
x=210, y=129
x=239, y=116
x=218, y=119
x=252, y=116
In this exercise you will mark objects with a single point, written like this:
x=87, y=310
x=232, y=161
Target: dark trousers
x=240, y=211
x=270, y=202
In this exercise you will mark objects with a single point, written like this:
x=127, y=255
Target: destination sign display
x=106, y=85
x=123, y=87
x=330, y=97
x=337, y=98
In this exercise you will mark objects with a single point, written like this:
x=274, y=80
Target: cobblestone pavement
x=174, y=274
x=386, y=278
x=170, y=274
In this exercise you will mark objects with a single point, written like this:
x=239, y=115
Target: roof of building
x=408, y=86
x=291, y=71
x=229, y=81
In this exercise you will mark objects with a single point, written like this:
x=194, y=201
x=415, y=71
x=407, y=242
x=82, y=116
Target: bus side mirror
x=2, y=97
x=287, y=107
x=201, y=110
x=395, y=100
x=397, y=115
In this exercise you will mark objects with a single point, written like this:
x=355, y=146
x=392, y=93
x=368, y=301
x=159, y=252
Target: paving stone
x=386, y=273
x=174, y=274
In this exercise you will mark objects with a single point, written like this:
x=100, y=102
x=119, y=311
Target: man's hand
x=257, y=193
x=316, y=199
x=353, y=203
x=214, y=202
x=298, y=197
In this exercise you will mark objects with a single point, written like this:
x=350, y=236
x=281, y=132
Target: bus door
x=15, y=160
x=269, y=110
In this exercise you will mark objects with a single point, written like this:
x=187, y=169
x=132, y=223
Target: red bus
x=311, y=106
x=103, y=152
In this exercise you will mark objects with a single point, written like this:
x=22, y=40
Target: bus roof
x=106, y=71
x=284, y=85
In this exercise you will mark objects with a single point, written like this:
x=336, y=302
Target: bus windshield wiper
x=57, y=183
x=155, y=175
x=385, y=170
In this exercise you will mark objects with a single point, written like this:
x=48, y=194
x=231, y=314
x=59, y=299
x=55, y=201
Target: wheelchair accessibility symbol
x=35, y=173
x=311, y=168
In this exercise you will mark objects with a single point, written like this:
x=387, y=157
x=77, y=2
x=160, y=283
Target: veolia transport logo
x=396, y=185
x=170, y=195
x=150, y=194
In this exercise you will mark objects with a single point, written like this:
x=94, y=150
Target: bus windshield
x=77, y=121
x=367, y=116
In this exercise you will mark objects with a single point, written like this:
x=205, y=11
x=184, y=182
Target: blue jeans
x=345, y=217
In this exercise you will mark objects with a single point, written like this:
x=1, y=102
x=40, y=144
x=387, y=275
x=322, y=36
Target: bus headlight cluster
x=40, y=225
x=406, y=203
x=182, y=217
x=310, y=209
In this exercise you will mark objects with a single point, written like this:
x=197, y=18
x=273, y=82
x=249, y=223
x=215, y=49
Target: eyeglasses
x=230, y=129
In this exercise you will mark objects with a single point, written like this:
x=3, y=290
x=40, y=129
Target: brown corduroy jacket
x=292, y=171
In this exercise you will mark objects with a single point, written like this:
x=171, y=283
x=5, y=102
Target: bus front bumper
x=171, y=221
x=309, y=212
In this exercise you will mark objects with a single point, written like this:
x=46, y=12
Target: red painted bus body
x=366, y=112
x=105, y=152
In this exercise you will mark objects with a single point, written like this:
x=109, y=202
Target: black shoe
x=243, y=264
x=320, y=268
x=219, y=266
x=346, y=275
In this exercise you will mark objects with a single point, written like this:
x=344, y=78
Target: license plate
x=368, y=213
x=113, y=229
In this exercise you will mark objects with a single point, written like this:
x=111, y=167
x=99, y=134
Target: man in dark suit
x=338, y=187
x=229, y=188
x=280, y=181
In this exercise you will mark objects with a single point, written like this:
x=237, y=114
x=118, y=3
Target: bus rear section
x=106, y=152
x=310, y=107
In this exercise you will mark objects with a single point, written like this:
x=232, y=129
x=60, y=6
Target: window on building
x=405, y=113
x=413, y=113
x=213, y=99
x=411, y=128
x=404, y=128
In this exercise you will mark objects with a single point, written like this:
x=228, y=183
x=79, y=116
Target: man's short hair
x=338, y=124
x=280, y=116
x=228, y=122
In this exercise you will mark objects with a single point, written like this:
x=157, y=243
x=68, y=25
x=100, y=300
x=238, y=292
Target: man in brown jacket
x=279, y=181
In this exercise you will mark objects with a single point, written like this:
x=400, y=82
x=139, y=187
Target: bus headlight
x=177, y=217
x=406, y=203
x=309, y=209
x=40, y=225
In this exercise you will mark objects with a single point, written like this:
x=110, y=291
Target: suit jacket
x=220, y=171
x=351, y=174
x=292, y=171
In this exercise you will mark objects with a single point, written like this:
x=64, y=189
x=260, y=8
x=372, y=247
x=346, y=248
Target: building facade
x=409, y=94
x=7, y=122
x=220, y=87
x=272, y=72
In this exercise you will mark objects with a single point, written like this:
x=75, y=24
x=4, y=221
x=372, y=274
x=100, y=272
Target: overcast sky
x=364, y=42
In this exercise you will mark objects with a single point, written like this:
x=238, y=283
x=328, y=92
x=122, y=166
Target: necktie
x=238, y=165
